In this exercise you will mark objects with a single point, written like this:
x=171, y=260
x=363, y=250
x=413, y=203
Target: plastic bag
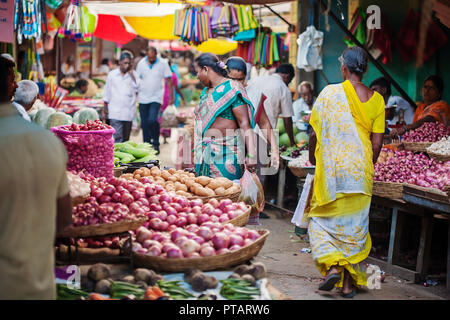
x=252, y=192
x=300, y=218
x=169, y=117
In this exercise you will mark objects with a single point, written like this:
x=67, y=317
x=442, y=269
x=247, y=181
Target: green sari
x=219, y=156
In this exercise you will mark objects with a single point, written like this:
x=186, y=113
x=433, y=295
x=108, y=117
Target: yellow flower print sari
x=342, y=191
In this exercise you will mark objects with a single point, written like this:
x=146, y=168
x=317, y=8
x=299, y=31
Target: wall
x=406, y=74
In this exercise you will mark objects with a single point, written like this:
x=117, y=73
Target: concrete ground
x=294, y=273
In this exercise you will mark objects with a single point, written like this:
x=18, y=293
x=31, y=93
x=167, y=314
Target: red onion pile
x=417, y=169
x=116, y=199
x=209, y=239
x=107, y=242
x=428, y=132
x=89, y=146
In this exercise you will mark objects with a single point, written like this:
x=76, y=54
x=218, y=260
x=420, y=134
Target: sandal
x=349, y=295
x=329, y=282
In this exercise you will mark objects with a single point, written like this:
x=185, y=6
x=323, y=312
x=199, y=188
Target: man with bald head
x=26, y=95
x=153, y=72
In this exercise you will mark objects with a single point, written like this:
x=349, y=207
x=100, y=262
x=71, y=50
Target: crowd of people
x=234, y=131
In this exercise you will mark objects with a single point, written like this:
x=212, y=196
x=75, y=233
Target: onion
x=174, y=253
x=222, y=251
x=189, y=246
x=205, y=233
x=207, y=251
x=202, y=218
x=252, y=234
x=235, y=247
x=220, y=240
x=154, y=251
x=236, y=240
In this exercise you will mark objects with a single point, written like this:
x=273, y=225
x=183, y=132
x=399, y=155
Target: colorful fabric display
x=192, y=25
x=29, y=17
x=265, y=50
x=224, y=20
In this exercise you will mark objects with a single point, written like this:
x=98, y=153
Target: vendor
x=104, y=67
x=68, y=67
x=81, y=87
x=26, y=95
x=432, y=109
x=398, y=110
x=302, y=105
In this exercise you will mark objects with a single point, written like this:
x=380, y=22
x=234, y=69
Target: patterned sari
x=439, y=110
x=342, y=190
x=219, y=156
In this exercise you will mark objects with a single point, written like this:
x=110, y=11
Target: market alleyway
x=292, y=272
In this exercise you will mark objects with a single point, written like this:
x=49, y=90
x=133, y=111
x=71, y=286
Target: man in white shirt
x=26, y=95
x=152, y=71
x=397, y=108
x=121, y=88
x=278, y=101
x=302, y=105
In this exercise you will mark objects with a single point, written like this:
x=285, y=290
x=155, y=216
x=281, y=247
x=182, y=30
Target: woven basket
x=103, y=229
x=78, y=200
x=298, y=172
x=417, y=146
x=223, y=261
x=439, y=157
x=391, y=190
x=118, y=171
x=241, y=220
x=233, y=196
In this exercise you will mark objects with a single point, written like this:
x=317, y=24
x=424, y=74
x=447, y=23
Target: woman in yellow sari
x=348, y=126
x=432, y=109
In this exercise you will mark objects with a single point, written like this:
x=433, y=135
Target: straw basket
x=233, y=196
x=118, y=171
x=223, y=261
x=391, y=190
x=417, y=146
x=103, y=229
x=439, y=157
x=241, y=220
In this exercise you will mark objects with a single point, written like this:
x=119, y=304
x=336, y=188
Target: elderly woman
x=26, y=95
x=348, y=126
x=432, y=109
x=224, y=107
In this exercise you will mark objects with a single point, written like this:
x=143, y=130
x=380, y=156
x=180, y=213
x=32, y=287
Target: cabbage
x=58, y=119
x=294, y=129
x=42, y=116
x=301, y=136
x=280, y=126
x=83, y=115
x=284, y=140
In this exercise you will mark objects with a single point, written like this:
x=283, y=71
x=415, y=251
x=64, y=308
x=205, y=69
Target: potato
x=210, y=192
x=200, y=191
x=180, y=186
x=235, y=188
x=129, y=279
x=214, y=184
x=99, y=271
x=189, y=182
x=155, y=171
x=257, y=270
x=190, y=273
x=170, y=188
x=211, y=282
x=173, y=179
x=191, y=174
x=142, y=274
x=194, y=187
x=181, y=193
x=146, y=171
x=199, y=282
x=138, y=171
x=249, y=278
x=137, y=176
x=234, y=276
x=103, y=286
x=220, y=191
x=127, y=176
x=160, y=181
x=242, y=269
x=224, y=182
x=172, y=171
x=204, y=181
x=166, y=175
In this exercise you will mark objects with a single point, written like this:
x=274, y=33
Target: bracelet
x=250, y=156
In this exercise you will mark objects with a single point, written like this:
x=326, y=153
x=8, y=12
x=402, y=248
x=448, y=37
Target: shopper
x=279, y=98
x=34, y=199
x=303, y=106
x=398, y=110
x=224, y=107
x=26, y=95
x=346, y=138
x=121, y=89
x=68, y=67
x=152, y=71
x=104, y=67
x=432, y=109
x=81, y=87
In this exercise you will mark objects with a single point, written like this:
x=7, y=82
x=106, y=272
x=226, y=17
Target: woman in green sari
x=223, y=119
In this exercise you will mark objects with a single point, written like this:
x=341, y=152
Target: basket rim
x=74, y=232
x=59, y=129
x=263, y=232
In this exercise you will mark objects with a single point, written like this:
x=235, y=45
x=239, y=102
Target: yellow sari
x=342, y=190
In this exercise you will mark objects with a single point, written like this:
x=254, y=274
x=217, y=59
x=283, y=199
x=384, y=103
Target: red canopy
x=111, y=28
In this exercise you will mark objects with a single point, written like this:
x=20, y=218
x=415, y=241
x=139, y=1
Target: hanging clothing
x=358, y=27
x=342, y=189
x=221, y=156
x=265, y=50
x=192, y=25
x=309, y=55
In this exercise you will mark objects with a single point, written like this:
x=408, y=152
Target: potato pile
x=185, y=183
x=385, y=155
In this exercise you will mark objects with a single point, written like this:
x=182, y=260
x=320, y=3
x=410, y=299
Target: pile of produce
x=116, y=199
x=300, y=138
x=428, y=132
x=194, y=241
x=85, y=114
x=442, y=147
x=416, y=169
x=129, y=151
x=302, y=161
x=293, y=152
x=78, y=187
x=49, y=118
x=185, y=183
x=89, y=147
x=199, y=281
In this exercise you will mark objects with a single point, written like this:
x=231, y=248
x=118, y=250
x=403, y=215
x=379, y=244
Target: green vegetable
x=58, y=119
x=284, y=140
x=238, y=289
x=66, y=293
x=42, y=116
x=151, y=156
x=136, y=152
x=301, y=136
x=121, y=290
x=280, y=126
x=85, y=114
x=122, y=155
x=174, y=290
